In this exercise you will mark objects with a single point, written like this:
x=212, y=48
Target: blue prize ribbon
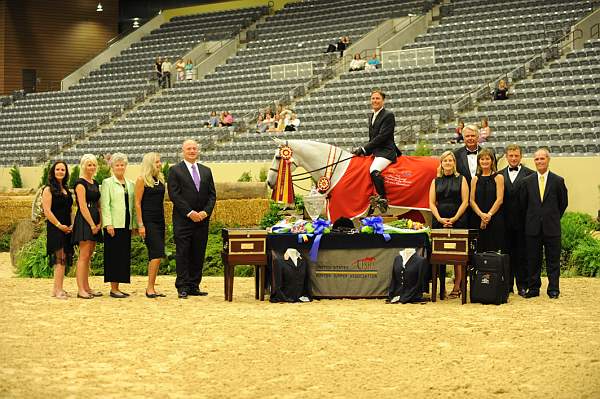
x=376, y=222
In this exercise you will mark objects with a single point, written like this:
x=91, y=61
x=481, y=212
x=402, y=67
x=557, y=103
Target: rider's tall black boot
x=380, y=201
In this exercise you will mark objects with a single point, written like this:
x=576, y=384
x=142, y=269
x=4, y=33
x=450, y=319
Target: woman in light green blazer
x=118, y=219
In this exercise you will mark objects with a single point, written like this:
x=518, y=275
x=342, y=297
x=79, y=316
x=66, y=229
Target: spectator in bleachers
x=189, y=69
x=484, y=132
x=343, y=44
x=260, y=123
x=213, y=120
x=180, y=67
x=269, y=121
x=166, y=71
x=501, y=92
x=226, y=119
x=357, y=64
x=458, y=137
x=292, y=123
x=158, y=69
x=278, y=124
x=282, y=111
x=373, y=63
x=57, y=203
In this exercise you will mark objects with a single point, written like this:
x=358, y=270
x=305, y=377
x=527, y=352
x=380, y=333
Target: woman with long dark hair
x=57, y=203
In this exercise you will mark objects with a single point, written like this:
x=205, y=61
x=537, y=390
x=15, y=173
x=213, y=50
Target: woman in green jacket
x=118, y=219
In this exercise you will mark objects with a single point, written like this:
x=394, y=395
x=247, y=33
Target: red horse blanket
x=407, y=185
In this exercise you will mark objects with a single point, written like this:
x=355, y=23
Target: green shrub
x=423, y=149
x=15, y=177
x=32, y=260
x=585, y=258
x=272, y=216
x=44, y=178
x=103, y=170
x=165, y=170
x=262, y=175
x=5, y=238
x=73, y=176
x=574, y=227
x=245, y=177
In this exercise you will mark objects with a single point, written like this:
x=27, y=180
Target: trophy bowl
x=314, y=203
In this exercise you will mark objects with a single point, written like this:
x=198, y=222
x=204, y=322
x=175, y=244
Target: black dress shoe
x=553, y=295
x=124, y=293
x=117, y=295
x=182, y=294
x=197, y=293
x=522, y=292
x=532, y=294
x=151, y=295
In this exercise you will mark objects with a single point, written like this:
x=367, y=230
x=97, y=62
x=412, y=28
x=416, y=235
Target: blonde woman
x=118, y=219
x=448, y=201
x=87, y=227
x=149, y=199
x=487, y=195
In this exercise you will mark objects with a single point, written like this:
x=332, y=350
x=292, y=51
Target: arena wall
x=580, y=173
x=222, y=6
x=52, y=37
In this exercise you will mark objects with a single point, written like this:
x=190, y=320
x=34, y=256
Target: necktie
x=542, y=187
x=196, y=176
x=511, y=169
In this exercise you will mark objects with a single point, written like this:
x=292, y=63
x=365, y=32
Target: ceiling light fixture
x=136, y=24
x=99, y=7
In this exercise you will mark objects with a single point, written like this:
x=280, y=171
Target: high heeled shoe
x=454, y=294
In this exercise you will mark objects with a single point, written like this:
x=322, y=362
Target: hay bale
x=241, y=190
x=242, y=213
x=13, y=209
x=25, y=231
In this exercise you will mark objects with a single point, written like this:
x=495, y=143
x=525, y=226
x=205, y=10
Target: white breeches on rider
x=379, y=164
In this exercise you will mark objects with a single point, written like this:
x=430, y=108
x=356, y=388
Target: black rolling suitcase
x=489, y=278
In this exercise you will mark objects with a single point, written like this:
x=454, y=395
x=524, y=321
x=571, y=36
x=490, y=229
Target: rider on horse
x=381, y=144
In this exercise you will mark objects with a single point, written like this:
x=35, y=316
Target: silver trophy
x=314, y=203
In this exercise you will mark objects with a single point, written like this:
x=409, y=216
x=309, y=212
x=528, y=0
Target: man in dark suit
x=544, y=198
x=381, y=144
x=466, y=164
x=192, y=191
x=514, y=174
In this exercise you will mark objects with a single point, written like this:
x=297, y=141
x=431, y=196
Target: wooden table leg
x=263, y=271
x=434, y=277
x=230, y=283
x=225, y=278
x=463, y=283
x=442, y=274
x=256, y=281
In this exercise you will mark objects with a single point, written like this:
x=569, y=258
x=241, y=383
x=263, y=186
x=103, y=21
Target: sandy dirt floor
x=203, y=347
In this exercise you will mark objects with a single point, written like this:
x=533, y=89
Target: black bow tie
x=515, y=169
x=469, y=152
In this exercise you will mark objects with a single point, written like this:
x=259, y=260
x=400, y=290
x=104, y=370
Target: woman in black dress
x=87, y=228
x=118, y=219
x=448, y=201
x=57, y=203
x=149, y=199
x=487, y=194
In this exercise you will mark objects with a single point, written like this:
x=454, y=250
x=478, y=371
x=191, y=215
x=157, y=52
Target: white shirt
x=545, y=178
x=472, y=160
x=512, y=174
x=375, y=113
x=166, y=66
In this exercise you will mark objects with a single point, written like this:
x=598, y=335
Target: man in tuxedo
x=544, y=198
x=192, y=191
x=466, y=164
x=514, y=174
x=381, y=144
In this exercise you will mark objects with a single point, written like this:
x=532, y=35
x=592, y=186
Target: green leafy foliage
x=272, y=216
x=32, y=260
x=299, y=204
x=575, y=226
x=73, y=176
x=165, y=170
x=423, y=149
x=44, y=178
x=245, y=177
x=585, y=258
x=15, y=177
x=103, y=170
x=5, y=238
x=262, y=175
